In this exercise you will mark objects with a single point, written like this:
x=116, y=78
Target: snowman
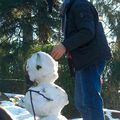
x=46, y=100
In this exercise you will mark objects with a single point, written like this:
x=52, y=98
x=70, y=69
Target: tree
x=23, y=23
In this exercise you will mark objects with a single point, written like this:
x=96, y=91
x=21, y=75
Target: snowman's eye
x=38, y=67
x=56, y=87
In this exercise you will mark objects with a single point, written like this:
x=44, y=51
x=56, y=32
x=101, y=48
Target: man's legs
x=87, y=92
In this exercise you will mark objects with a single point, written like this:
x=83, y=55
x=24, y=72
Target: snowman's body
x=46, y=100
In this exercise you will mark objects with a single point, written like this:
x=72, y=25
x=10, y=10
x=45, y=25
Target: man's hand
x=58, y=51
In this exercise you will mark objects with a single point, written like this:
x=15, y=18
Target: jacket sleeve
x=83, y=19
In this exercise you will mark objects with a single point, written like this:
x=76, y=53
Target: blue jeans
x=88, y=100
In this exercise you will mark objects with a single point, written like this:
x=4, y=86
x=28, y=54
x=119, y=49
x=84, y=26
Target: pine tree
x=24, y=23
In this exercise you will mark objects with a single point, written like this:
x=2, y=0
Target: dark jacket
x=84, y=35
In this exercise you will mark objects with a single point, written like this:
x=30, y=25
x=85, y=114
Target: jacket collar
x=67, y=4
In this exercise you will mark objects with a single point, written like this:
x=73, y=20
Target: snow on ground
x=108, y=113
x=19, y=113
x=16, y=112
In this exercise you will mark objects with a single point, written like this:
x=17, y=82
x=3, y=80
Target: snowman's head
x=48, y=100
x=41, y=67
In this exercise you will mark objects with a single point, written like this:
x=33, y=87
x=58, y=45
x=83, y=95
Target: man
x=86, y=44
